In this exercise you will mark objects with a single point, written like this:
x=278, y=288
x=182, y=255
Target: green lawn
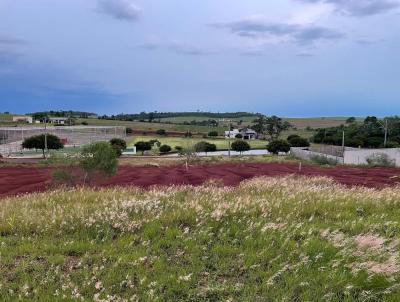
x=271, y=239
x=221, y=143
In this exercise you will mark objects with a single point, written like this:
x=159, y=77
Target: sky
x=294, y=58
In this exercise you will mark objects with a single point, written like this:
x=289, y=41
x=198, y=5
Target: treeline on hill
x=367, y=134
x=154, y=116
x=61, y=113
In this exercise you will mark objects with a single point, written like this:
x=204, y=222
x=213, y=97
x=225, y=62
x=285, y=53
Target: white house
x=246, y=133
x=58, y=120
x=23, y=119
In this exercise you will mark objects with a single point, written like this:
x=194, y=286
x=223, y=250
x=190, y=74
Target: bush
x=84, y=123
x=323, y=160
x=373, y=142
x=143, y=146
x=205, y=147
x=129, y=130
x=99, y=157
x=161, y=132
x=392, y=144
x=165, y=149
x=213, y=134
x=240, y=146
x=119, y=145
x=298, y=141
x=239, y=136
x=292, y=136
x=278, y=146
x=380, y=160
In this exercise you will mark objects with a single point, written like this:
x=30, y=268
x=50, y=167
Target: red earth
x=27, y=179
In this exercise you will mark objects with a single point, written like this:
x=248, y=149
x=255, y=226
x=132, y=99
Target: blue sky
x=285, y=57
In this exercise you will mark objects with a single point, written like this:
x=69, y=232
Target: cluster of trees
x=369, y=133
x=272, y=127
x=61, y=113
x=154, y=116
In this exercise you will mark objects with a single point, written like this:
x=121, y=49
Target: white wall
x=359, y=156
x=302, y=153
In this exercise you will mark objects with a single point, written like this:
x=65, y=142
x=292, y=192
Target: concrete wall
x=359, y=156
x=305, y=154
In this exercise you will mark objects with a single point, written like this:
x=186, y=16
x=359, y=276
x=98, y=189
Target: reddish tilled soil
x=16, y=180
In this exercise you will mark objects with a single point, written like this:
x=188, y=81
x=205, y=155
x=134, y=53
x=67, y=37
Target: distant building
x=58, y=120
x=23, y=119
x=247, y=134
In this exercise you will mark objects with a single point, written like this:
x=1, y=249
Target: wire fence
x=11, y=138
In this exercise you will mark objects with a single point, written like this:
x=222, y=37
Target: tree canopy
x=240, y=146
x=38, y=142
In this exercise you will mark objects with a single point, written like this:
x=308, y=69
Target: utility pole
x=386, y=133
x=229, y=140
x=343, y=143
x=45, y=138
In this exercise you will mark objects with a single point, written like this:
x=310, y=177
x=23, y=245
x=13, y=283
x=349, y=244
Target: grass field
x=221, y=143
x=290, y=239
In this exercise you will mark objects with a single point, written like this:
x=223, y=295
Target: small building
x=58, y=120
x=23, y=119
x=246, y=133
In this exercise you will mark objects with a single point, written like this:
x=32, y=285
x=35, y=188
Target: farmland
x=265, y=240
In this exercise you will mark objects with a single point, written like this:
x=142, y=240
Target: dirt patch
x=16, y=180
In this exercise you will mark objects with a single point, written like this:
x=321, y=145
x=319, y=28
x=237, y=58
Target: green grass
x=5, y=117
x=221, y=143
x=290, y=239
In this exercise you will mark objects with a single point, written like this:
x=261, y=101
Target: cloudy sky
x=285, y=57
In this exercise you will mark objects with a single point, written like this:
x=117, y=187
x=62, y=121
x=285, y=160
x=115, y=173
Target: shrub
x=38, y=142
x=354, y=142
x=392, y=144
x=380, y=160
x=239, y=136
x=323, y=160
x=161, y=132
x=297, y=141
x=84, y=123
x=373, y=142
x=143, y=146
x=119, y=145
x=205, y=147
x=99, y=157
x=213, y=134
x=165, y=149
x=278, y=146
x=240, y=146
x=129, y=130
x=179, y=148
x=292, y=136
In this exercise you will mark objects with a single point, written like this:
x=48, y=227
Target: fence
x=11, y=138
x=304, y=153
x=360, y=156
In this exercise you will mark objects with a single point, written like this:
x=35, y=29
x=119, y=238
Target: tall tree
x=38, y=142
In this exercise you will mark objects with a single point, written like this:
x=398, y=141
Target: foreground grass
x=277, y=239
